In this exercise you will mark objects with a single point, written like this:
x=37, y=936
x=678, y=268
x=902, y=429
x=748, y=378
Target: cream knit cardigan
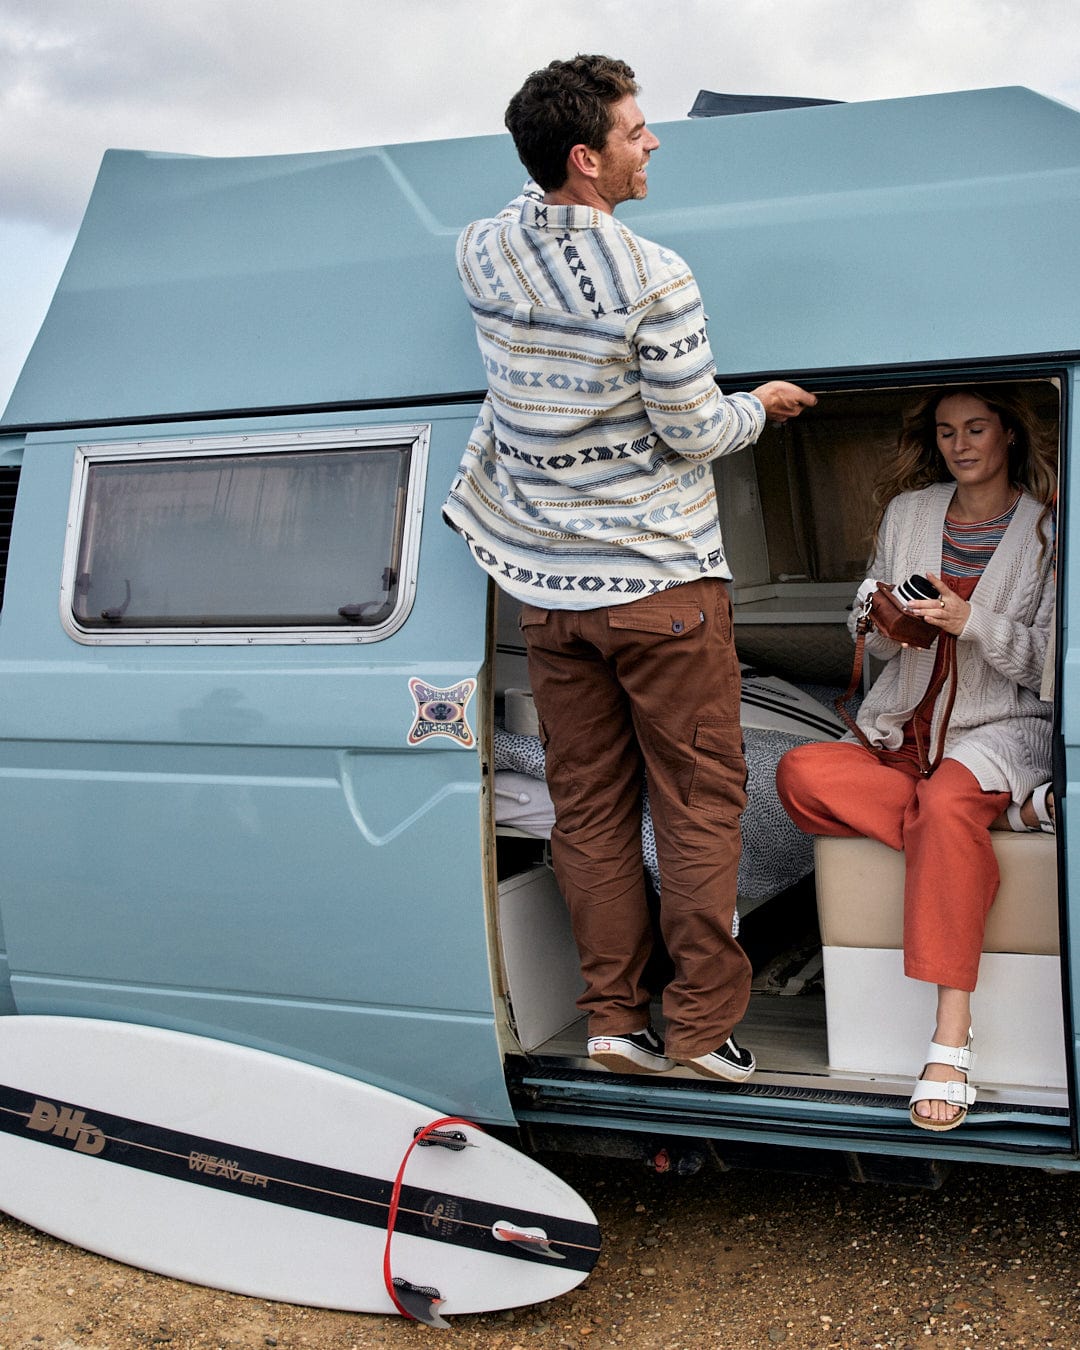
x=1000, y=729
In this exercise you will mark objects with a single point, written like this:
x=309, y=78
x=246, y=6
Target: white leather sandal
x=1042, y=813
x=955, y=1093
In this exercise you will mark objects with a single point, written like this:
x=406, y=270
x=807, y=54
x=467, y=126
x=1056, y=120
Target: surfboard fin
x=535, y=1239
x=420, y=1301
x=455, y=1140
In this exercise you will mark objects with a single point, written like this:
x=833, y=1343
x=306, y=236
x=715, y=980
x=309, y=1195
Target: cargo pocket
x=532, y=615
x=657, y=616
x=718, y=784
x=559, y=777
x=531, y=619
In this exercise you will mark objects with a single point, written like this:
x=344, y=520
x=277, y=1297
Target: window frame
x=416, y=436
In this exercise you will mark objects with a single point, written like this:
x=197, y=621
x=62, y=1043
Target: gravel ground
x=738, y=1259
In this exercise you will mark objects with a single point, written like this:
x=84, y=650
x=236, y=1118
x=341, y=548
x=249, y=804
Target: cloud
x=230, y=77
x=240, y=77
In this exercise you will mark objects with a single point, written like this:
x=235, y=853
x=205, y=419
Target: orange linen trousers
x=942, y=826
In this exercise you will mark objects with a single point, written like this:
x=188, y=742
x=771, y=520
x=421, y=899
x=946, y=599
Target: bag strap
x=861, y=626
x=946, y=673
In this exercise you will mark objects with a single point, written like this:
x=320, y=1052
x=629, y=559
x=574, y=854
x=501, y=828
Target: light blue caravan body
x=253, y=685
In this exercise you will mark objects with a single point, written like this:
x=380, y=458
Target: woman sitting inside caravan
x=967, y=504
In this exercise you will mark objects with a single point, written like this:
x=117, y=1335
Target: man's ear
x=584, y=161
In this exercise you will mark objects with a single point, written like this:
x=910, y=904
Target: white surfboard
x=252, y=1172
x=773, y=704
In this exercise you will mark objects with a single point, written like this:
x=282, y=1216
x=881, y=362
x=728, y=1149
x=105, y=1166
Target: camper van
x=269, y=764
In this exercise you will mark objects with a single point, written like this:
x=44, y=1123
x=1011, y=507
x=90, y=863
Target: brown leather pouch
x=881, y=610
x=888, y=616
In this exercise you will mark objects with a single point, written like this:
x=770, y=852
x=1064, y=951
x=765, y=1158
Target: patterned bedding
x=774, y=856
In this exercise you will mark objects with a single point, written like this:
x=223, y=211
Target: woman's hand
x=948, y=612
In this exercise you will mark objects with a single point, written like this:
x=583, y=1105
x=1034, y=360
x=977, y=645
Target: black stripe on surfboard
x=439, y=1216
x=797, y=714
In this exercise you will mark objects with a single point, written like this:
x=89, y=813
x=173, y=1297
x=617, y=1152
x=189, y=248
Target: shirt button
x=677, y=626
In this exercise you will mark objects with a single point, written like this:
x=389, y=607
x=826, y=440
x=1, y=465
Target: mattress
x=775, y=714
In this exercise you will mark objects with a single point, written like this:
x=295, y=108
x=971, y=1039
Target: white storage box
x=880, y=1022
x=539, y=954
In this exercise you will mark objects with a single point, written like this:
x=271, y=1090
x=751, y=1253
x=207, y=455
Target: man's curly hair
x=567, y=103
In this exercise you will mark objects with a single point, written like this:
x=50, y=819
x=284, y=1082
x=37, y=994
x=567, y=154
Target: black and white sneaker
x=635, y=1052
x=730, y=1061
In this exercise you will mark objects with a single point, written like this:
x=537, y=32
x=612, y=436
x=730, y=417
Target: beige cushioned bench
x=879, y=1022
x=861, y=894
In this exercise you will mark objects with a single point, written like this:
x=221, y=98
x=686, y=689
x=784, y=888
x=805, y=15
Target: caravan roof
x=862, y=235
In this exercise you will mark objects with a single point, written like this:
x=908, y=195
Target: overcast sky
x=243, y=77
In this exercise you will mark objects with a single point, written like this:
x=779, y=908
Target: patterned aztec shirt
x=586, y=480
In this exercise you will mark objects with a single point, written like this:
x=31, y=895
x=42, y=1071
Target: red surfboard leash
x=391, y=1217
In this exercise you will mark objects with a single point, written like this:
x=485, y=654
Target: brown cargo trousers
x=647, y=689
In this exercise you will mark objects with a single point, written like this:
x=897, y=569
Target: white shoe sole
x=619, y=1057
x=711, y=1066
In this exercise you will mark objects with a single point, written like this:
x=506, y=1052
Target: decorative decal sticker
x=441, y=712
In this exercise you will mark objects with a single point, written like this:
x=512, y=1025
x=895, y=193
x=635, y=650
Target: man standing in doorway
x=586, y=493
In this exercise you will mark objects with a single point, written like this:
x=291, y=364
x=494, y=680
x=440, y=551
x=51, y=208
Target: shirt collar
x=543, y=217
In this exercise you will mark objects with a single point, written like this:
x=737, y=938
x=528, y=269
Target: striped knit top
x=586, y=480
x=966, y=547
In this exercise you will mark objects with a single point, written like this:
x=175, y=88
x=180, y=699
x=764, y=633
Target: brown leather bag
x=889, y=616
x=882, y=611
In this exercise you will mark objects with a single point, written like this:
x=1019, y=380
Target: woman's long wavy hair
x=918, y=462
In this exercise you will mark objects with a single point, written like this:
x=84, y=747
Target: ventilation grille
x=9, y=486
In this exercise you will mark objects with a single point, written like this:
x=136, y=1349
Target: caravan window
x=307, y=537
